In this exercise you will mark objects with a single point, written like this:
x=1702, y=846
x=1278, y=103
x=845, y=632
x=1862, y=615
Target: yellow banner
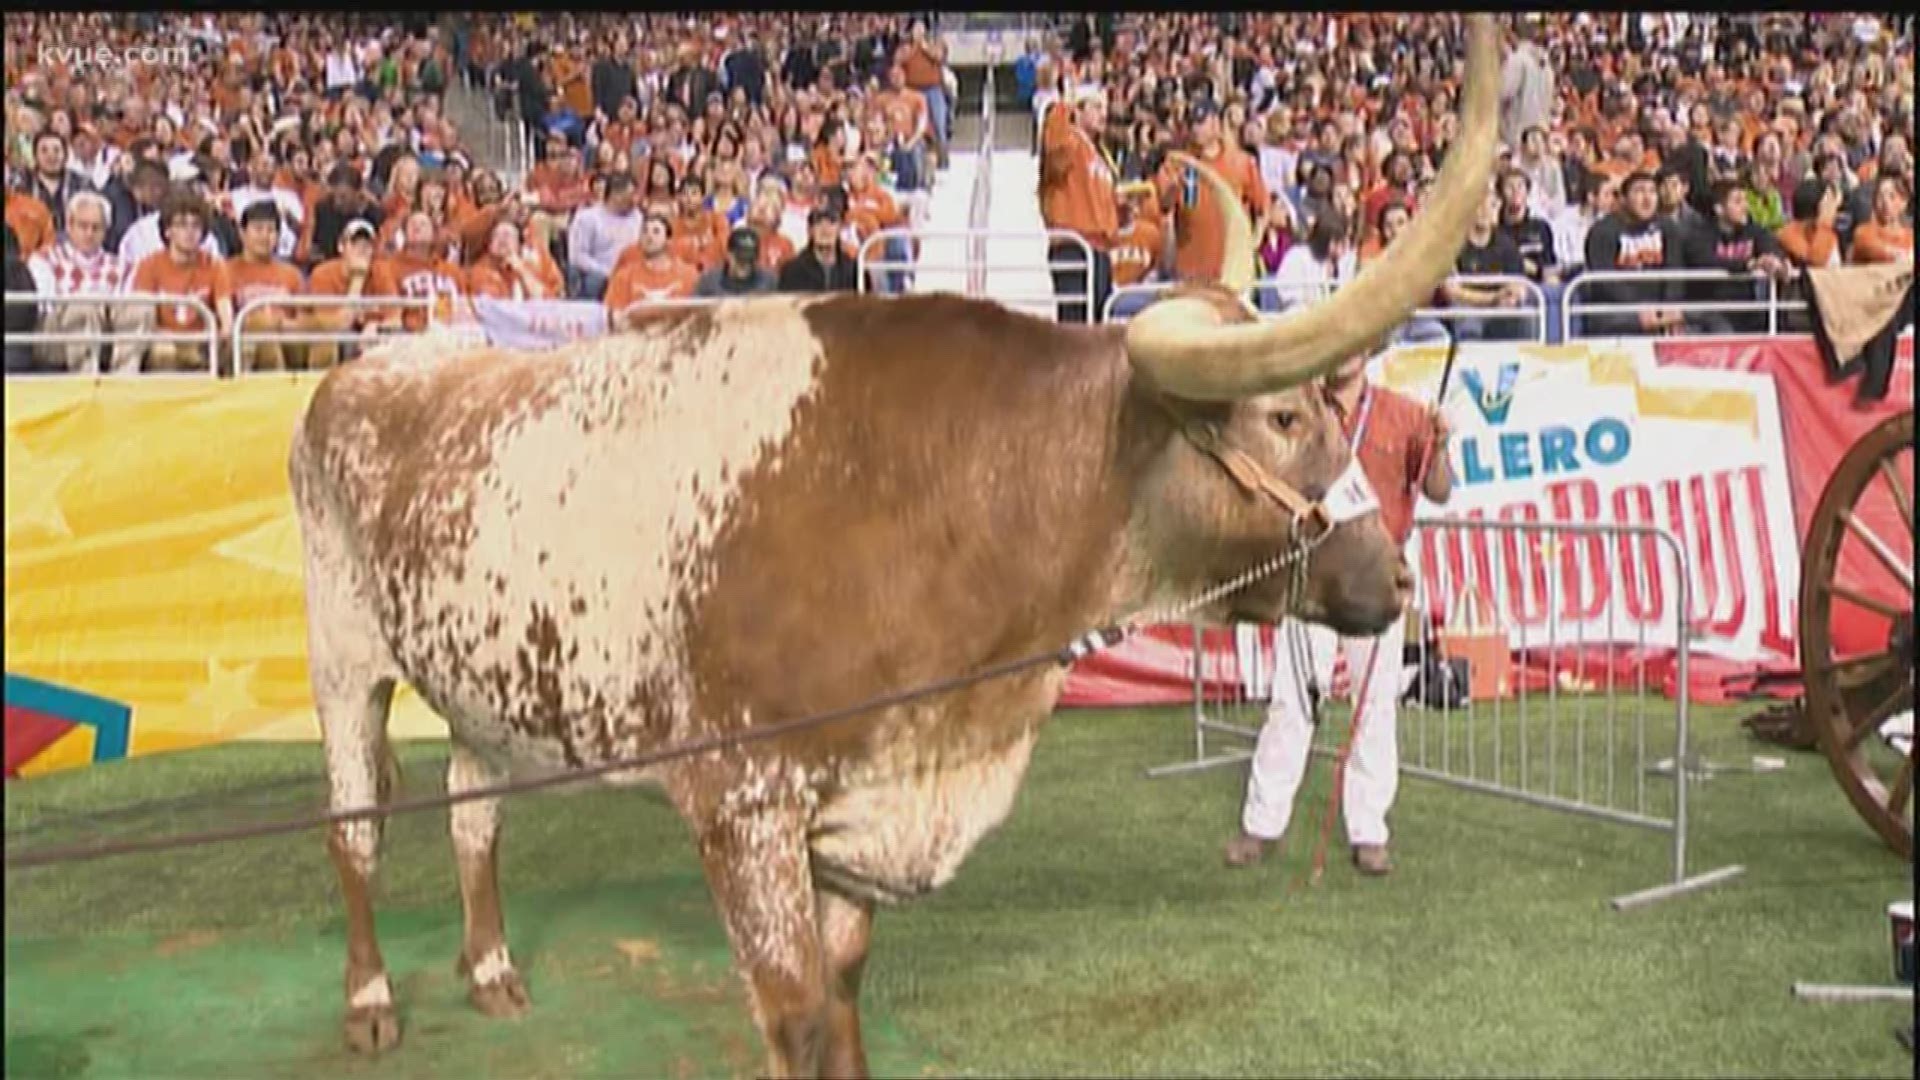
x=153, y=559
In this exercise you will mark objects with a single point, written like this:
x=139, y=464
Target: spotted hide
x=736, y=515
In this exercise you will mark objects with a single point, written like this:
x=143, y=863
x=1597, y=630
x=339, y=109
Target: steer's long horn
x=1181, y=344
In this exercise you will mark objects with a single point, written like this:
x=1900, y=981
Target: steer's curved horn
x=1181, y=345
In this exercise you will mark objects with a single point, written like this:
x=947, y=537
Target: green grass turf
x=1096, y=932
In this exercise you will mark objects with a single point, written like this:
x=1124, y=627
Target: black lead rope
x=1080, y=648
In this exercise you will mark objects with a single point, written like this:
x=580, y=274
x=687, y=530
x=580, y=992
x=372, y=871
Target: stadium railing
x=103, y=340
x=1768, y=298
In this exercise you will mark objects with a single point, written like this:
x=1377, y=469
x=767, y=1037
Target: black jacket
x=805, y=273
x=1614, y=243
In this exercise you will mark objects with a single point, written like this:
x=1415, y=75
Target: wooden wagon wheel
x=1865, y=517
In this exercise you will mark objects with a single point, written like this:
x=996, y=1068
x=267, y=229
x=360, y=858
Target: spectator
x=648, y=271
x=1487, y=252
x=923, y=60
x=1137, y=242
x=354, y=274
x=30, y=220
x=80, y=265
x=346, y=201
x=1277, y=234
x=20, y=318
x=1595, y=197
x=598, y=235
x=1200, y=245
x=699, y=233
x=1676, y=202
x=1077, y=196
x=1310, y=271
x=740, y=274
x=256, y=274
x=1546, y=181
x=50, y=182
x=421, y=270
x=823, y=266
x=509, y=268
x=764, y=219
x=183, y=268
x=264, y=181
x=1529, y=235
x=1737, y=246
x=1526, y=86
x=1888, y=237
x=1634, y=238
x=1809, y=241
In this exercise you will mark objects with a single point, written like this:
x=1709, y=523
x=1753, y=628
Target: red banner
x=1819, y=424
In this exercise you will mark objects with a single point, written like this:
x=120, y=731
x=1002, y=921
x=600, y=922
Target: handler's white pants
x=1280, y=757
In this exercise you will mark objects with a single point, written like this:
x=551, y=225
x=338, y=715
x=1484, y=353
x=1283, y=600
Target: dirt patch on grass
x=191, y=941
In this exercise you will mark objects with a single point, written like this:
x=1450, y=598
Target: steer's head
x=1233, y=382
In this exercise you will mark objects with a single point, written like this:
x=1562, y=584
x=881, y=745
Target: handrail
x=1319, y=290
x=209, y=337
x=1570, y=306
x=241, y=336
x=1047, y=237
x=980, y=206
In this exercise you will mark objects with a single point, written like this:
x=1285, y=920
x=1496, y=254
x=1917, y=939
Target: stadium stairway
x=1016, y=251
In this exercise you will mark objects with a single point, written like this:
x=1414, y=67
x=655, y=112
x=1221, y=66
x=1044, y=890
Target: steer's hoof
x=505, y=998
x=374, y=1029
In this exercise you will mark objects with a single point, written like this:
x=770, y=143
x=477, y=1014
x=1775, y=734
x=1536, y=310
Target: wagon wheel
x=1864, y=519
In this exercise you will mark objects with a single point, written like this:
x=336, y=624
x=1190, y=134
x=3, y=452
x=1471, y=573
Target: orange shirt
x=1199, y=233
x=428, y=277
x=489, y=277
x=636, y=280
x=1877, y=243
x=871, y=210
x=330, y=279
x=202, y=277
x=699, y=239
x=1807, y=245
x=31, y=222
x=1076, y=182
x=922, y=70
x=1136, y=251
x=254, y=280
x=1391, y=452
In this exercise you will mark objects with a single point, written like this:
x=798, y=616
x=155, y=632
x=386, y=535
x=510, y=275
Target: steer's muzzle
x=1357, y=582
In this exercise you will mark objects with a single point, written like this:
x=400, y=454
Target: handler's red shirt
x=1391, y=452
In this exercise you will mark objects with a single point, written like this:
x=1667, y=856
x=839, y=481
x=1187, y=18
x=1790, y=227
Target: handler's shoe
x=1371, y=859
x=1246, y=850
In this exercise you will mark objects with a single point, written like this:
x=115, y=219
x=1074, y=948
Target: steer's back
x=523, y=529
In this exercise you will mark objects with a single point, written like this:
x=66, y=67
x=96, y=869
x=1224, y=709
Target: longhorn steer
x=747, y=513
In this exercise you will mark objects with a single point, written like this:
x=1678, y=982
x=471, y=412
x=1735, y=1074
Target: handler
x=1390, y=434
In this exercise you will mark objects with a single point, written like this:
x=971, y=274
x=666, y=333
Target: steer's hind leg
x=360, y=767
x=496, y=989
x=757, y=867
x=845, y=926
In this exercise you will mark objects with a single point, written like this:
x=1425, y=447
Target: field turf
x=1096, y=933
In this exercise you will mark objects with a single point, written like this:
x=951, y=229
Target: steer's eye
x=1283, y=420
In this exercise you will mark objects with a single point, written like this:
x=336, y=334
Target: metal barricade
x=1774, y=304
x=1559, y=617
x=1125, y=301
x=245, y=341
x=105, y=340
x=980, y=202
x=1036, y=296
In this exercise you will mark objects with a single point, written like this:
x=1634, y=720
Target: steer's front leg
x=756, y=864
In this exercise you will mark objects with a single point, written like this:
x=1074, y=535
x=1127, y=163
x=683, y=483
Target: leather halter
x=1253, y=478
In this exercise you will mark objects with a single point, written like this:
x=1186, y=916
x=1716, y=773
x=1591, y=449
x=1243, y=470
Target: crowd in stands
x=1757, y=144
x=234, y=157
